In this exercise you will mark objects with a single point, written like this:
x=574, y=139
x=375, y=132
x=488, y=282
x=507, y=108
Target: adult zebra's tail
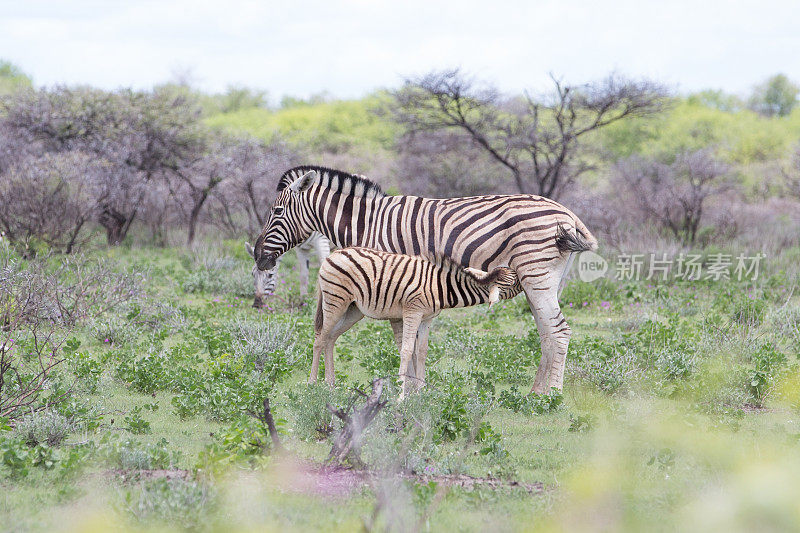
x=579, y=240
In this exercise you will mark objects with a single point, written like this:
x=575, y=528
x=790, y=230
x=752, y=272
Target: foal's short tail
x=318, y=314
x=579, y=240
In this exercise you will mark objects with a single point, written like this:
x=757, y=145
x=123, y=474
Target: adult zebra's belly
x=380, y=314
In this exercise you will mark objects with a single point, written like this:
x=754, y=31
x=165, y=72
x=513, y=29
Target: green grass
x=677, y=445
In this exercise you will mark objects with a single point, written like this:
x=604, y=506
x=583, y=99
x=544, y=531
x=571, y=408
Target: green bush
x=269, y=346
x=134, y=455
x=609, y=366
x=135, y=423
x=581, y=295
x=768, y=361
x=504, y=357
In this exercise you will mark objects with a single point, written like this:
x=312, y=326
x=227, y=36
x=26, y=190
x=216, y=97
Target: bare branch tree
x=445, y=163
x=673, y=195
x=39, y=308
x=142, y=135
x=537, y=141
x=52, y=198
x=239, y=204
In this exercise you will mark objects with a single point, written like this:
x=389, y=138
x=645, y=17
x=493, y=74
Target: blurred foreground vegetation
x=680, y=410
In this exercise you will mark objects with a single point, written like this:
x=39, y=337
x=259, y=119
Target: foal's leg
x=397, y=330
x=421, y=352
x=411, y=322
x=352, y=316
x=332, y=313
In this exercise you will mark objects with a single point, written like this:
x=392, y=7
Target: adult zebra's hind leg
x=554, y=333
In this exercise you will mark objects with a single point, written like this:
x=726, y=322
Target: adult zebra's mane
x=335, y=179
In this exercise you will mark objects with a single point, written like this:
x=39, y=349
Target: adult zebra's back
x=534, y=236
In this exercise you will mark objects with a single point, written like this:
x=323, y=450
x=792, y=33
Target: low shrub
x=748, y=311
x=269, y=346
x=181, y=503
x=43, y=427
x=219, y=275
x=134, y=455
x=532, y=404
x=606, y=365
x=307, y=407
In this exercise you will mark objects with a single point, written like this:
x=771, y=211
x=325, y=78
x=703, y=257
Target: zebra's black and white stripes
x=408, y=291
x=532, y=235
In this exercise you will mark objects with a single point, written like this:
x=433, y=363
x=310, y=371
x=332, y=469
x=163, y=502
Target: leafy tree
x=12, y=78
x=777, y=96
x=717, y=99
x=237, y=97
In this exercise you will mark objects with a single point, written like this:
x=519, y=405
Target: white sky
x=350, y=47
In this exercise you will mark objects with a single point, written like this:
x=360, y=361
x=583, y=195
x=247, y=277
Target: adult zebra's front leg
x=303, y=258
x=541, y=291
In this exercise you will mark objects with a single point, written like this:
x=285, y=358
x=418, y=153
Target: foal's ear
x=302, y=183
x=249, y=248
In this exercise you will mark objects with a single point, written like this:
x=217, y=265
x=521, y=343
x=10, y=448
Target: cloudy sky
x=350, y=47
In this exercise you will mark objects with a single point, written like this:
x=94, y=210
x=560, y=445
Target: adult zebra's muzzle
x=266, y=261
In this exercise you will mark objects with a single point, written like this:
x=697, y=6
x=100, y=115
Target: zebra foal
x=409, y=291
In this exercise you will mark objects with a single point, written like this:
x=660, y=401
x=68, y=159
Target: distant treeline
x=632, y=158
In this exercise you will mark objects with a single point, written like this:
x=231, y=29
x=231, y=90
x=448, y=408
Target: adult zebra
x=534, y=236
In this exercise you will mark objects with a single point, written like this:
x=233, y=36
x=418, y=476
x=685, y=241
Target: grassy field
x=681, y=410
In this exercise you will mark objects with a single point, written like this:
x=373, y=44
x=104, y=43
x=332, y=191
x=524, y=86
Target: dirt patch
x=469, y=482
x=312, y=478
x=141, y=475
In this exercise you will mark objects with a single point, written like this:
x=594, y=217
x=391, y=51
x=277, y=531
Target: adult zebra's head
x=289, y=222
x=264, y=281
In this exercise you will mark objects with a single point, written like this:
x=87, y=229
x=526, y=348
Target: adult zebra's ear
x=302, y=183
x=249, y=249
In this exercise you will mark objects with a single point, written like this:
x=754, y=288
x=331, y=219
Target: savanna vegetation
x=133, y=369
